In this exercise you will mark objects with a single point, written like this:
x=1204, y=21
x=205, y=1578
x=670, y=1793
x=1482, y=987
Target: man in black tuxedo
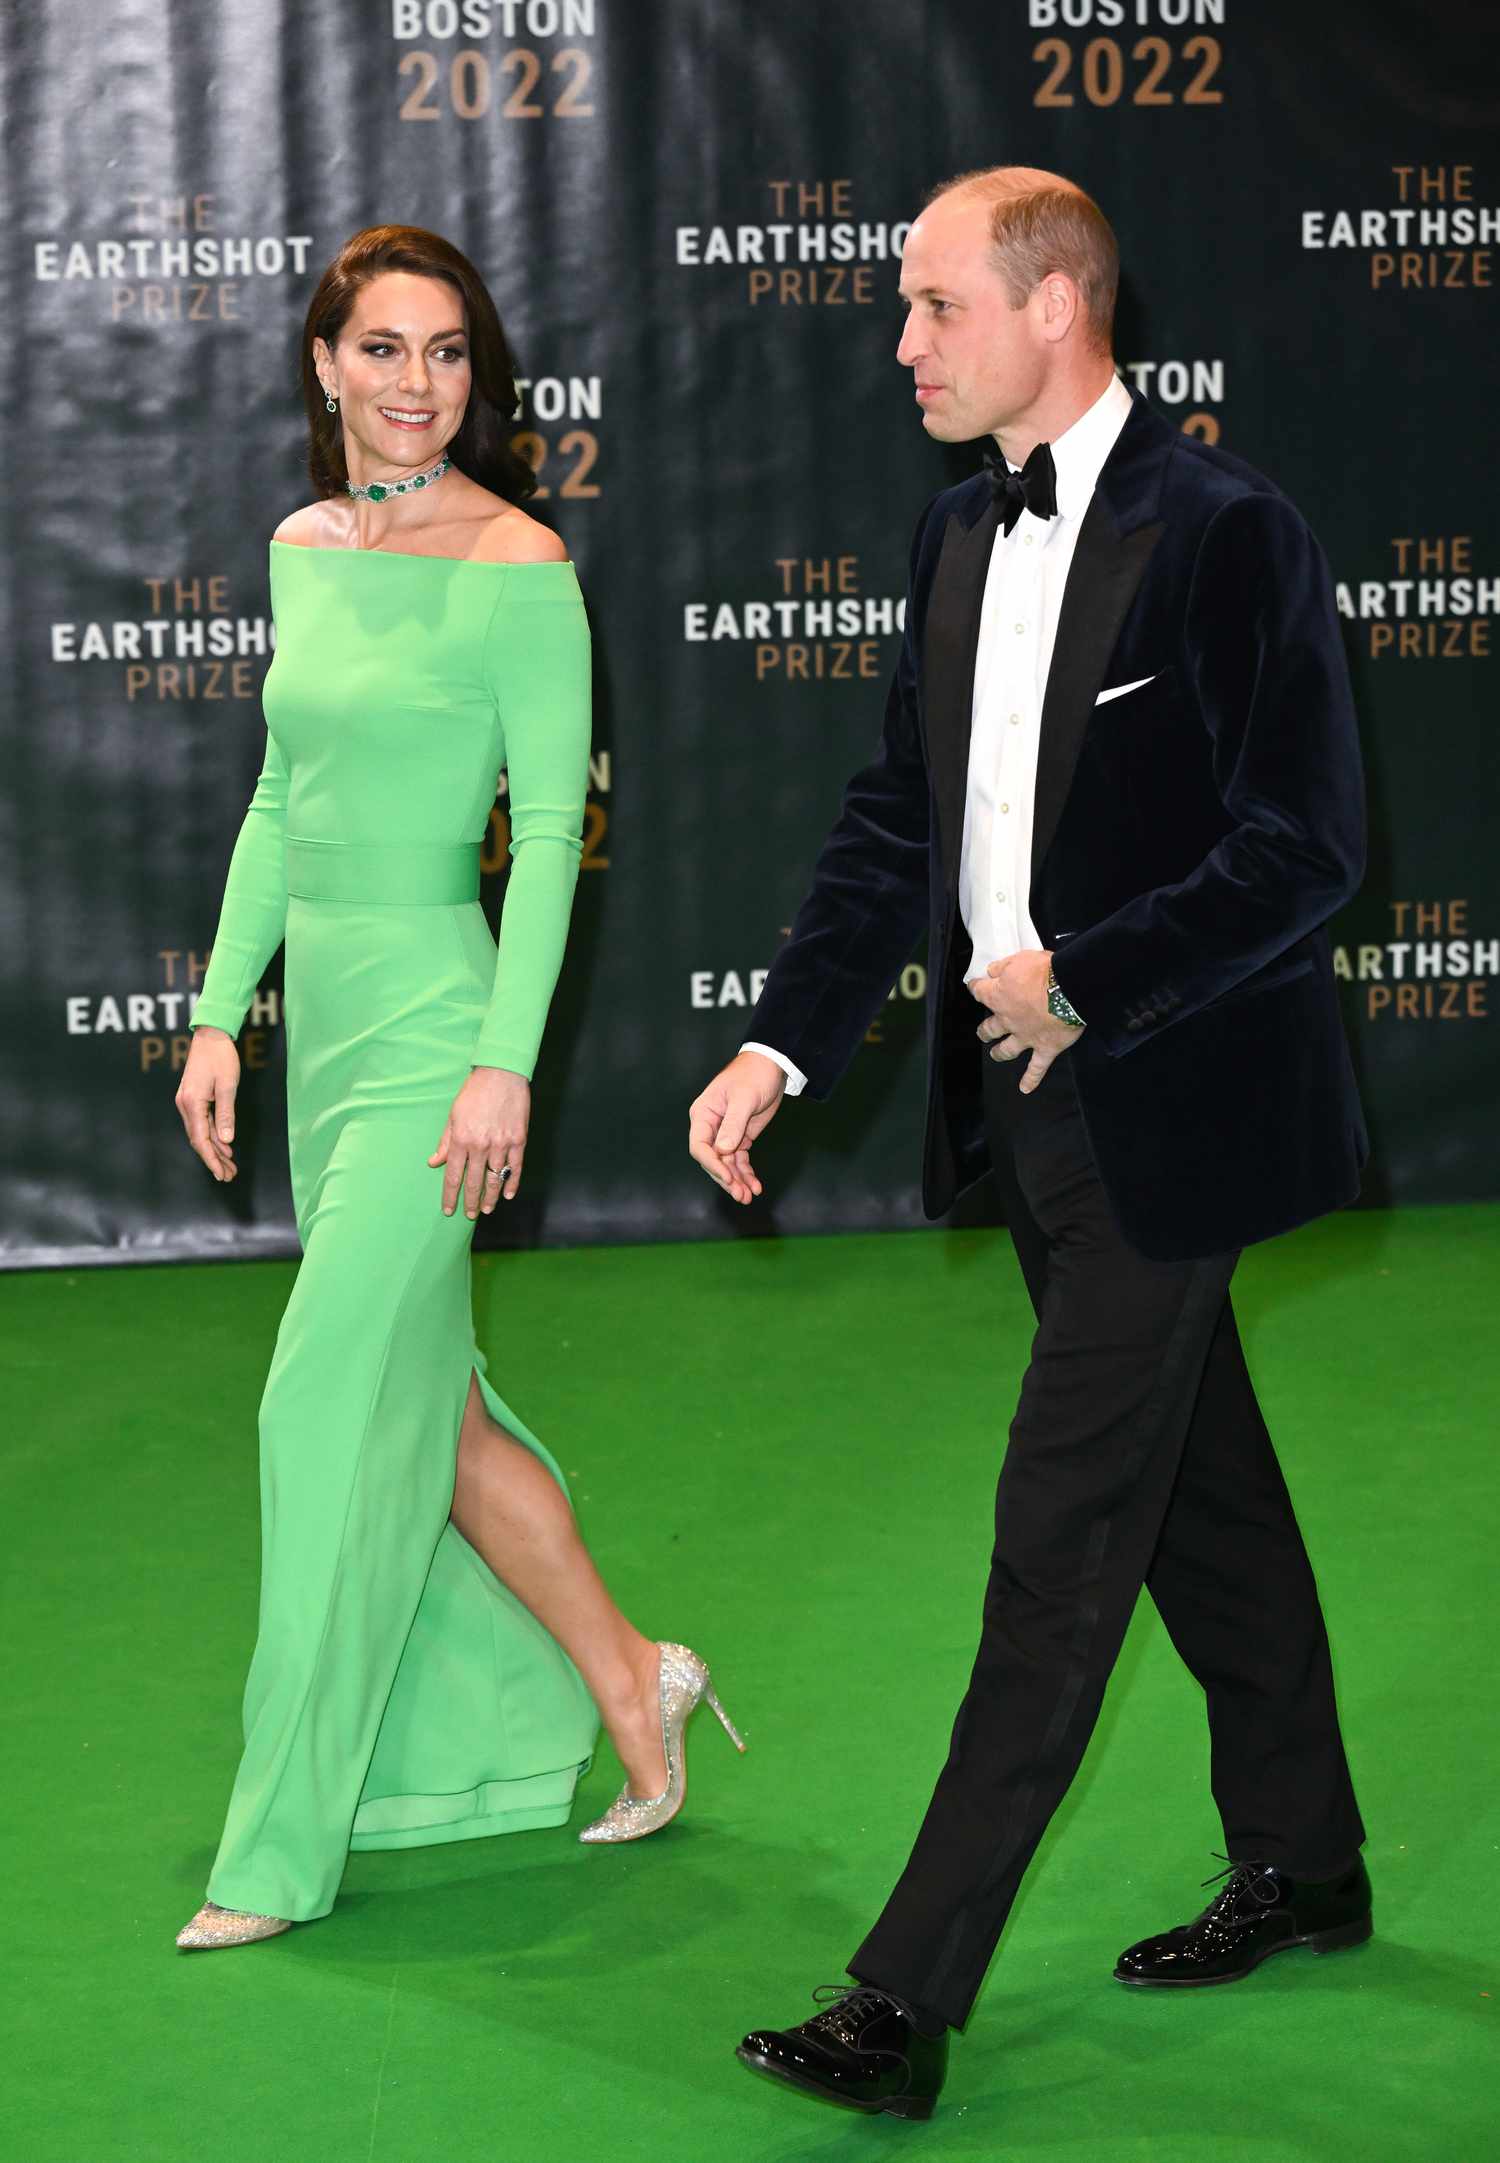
x=1119, y=787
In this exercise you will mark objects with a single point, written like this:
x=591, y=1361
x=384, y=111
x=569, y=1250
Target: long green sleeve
x=538, y=666
x=252, y=918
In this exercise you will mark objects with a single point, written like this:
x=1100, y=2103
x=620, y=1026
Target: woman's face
x=400, y=371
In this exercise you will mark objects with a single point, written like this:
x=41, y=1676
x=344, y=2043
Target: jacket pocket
x=1122, y=690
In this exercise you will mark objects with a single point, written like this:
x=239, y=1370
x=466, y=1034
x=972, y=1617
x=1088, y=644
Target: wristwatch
x=1059, y=1005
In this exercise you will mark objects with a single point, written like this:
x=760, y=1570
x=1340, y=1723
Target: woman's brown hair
x=481, y=448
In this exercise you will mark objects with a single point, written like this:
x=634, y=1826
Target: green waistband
x=394, y=873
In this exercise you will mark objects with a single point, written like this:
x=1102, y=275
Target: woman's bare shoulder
x=512, y=537
x=314, y=526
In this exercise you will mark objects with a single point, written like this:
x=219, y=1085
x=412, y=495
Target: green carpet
x=783, y=1453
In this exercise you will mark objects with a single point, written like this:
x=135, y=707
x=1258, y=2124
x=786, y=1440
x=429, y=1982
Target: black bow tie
x=1033, y=489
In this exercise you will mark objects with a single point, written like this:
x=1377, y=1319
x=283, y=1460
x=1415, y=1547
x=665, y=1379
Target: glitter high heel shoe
x=214, y=1926
x=685, y=1684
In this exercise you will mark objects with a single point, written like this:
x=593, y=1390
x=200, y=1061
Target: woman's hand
x=205, y=1098
x=484, y=1141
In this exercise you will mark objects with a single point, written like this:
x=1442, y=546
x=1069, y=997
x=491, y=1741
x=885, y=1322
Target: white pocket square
x=1119, y=690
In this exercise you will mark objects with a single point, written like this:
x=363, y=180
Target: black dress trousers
x=1138, y=1455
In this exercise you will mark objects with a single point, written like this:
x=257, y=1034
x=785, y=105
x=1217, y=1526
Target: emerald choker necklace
x=379, y=490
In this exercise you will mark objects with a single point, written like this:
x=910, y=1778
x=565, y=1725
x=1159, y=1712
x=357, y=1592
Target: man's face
x=978, y=363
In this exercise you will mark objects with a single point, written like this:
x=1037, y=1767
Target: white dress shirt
x=1023, y=593
x=1017, y=630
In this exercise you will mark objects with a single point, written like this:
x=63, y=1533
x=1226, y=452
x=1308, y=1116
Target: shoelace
x=847, y=2004
x=1256, y=1879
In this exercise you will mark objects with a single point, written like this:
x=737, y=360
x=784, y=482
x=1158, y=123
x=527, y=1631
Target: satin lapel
x=1102, y=580
x=950, y=644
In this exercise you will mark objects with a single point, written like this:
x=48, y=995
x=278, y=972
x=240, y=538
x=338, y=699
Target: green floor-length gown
x=398, y=1694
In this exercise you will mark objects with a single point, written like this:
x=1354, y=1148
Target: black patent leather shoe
x=863, y=2051
x=1260, y=1911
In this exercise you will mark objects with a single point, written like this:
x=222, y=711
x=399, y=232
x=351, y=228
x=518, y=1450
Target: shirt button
x=1028, y=538
x=1005, y=807
x=1020, y=629
x=999, y=897
x=1015, y=720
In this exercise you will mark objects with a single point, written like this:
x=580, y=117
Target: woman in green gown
x=434, y=1639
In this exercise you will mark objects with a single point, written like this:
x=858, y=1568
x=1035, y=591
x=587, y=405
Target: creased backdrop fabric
x=691, y=218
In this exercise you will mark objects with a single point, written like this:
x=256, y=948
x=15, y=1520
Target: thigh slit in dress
x=398, y=1694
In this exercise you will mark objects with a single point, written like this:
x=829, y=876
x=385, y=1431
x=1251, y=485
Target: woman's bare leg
x=512, y=1512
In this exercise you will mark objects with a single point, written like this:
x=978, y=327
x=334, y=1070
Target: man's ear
x=1060, y=305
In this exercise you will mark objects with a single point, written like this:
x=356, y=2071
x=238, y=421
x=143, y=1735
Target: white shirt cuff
x=796, y=1080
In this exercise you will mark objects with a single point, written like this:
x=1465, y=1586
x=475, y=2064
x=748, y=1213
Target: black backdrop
x=690, y=215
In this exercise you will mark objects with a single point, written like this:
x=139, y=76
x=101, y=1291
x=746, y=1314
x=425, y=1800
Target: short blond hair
x=1039, y=223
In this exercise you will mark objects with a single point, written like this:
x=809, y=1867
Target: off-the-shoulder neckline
x=480, y=563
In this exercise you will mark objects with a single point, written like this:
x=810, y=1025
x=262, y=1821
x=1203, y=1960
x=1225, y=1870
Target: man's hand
x=1015, y=992
x=734, y=1111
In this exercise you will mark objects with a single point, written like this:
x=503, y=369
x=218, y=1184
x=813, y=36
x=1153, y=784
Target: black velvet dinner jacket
x=1191, y=839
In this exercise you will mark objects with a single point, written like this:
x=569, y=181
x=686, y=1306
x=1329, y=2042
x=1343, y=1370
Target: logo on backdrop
x=189, y=644
x=1430, y=232
x=1136, y=73
x=174, y=259
x=1432, y=968
x=544, y=69
x=1430, y=605
x=155, y=1023
x=710, y=991
x=557, y=437
x=1196, y=384
x=816, y=624
x=811, y=251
